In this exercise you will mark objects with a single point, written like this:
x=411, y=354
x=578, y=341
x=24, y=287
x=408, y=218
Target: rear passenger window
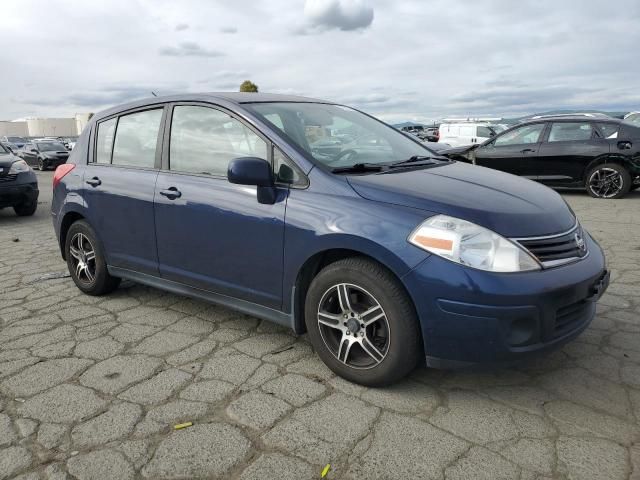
x=608, y=130
x=136, y=138
x=105, y=140
x=205, y=140
x=570, y=131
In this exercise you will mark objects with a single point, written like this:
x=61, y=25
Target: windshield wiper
x=414, y=159
x=359, y=167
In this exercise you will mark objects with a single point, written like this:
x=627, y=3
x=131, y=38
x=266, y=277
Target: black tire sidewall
x=102, y=282
x=26, y=209
x=626, y=180
x=405, y=346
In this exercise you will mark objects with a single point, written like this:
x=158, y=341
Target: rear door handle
x=527, y=150
x=94, y=182
x=171, y=193
x=624, y=145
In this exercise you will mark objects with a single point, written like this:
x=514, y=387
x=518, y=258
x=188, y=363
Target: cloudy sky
x=401, y=60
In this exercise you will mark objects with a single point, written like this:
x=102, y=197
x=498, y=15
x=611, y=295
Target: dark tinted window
x=136, y=138
x=522, y=135
x=205, y=140
x=104, y=141
x=570, y=131
x=51, y=147
x=485, y=132
x=608, y=130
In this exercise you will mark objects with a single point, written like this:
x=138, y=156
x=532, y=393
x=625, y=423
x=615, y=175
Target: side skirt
x=276, y=316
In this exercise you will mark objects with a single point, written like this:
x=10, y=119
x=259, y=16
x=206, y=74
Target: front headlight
x=18, y=167
x=472, y=245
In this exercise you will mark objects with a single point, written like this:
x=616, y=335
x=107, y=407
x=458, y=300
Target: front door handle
x=624, y=145
x=94, y=182
x=527, y=150
x=171, y=193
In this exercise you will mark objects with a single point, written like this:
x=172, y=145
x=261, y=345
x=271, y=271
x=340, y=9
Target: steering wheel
x=344, y=154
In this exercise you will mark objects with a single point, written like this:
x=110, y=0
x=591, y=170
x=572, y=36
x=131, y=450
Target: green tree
x=248, y=86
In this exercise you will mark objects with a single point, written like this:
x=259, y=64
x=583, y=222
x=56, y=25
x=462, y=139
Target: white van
x=467, y=133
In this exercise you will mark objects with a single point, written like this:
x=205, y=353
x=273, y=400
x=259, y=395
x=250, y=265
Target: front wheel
x=86, y=261
x=26, y=209
x=608, y=180
x=362, y=323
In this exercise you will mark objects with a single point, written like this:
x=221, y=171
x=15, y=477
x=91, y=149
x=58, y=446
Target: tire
x=25, y=209
x=396, y=336
x=617, y=188
x=634, y=187
x=41, y=165
x=92, y=277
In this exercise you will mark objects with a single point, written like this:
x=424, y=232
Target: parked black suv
x=598, y=153
x=44, y=155
x=18, y=184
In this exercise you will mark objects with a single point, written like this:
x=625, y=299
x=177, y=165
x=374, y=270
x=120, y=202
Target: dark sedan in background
x=44, y=155
x=18, y=184
x=598, y=153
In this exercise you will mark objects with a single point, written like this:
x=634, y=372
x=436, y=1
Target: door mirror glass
x=250, y=171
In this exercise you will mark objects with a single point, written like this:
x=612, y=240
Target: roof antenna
x=153, y=93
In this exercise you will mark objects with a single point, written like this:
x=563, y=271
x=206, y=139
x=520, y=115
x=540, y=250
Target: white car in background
x=466, y=133
x=632, y=117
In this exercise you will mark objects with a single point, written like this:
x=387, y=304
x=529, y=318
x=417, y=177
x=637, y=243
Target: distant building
x=45, y=127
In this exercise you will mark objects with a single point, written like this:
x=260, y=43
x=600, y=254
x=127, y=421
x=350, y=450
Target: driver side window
x=521, y=136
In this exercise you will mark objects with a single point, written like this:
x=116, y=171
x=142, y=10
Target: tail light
x=61, y=171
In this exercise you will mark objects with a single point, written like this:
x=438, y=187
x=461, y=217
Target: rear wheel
x=86, y=261
x=608, y=180
x=362, y=323
x=26, y=209
x=41, y=165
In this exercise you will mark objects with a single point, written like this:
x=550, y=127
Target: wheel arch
x=68, y=219
x=603, y=160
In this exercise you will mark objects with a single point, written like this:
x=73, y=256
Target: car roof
x=230, y=97
x=570, y=118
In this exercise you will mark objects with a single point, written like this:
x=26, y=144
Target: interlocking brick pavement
x=90, y=388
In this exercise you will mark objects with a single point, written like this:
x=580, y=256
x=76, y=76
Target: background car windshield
x=50, y=147
x=339, y=136
x=3, y=150
x=16, y=139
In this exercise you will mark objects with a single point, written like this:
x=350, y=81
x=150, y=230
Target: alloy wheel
x=83, y=258
x=606, y=182
x=353, y=326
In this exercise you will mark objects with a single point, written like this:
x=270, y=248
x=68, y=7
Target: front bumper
x=24, y=189
x=470, y=316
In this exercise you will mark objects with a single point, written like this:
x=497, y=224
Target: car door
x=212, y=234
x=120, y=184
x=510, y=150
x=30, y=154
x=569, y=147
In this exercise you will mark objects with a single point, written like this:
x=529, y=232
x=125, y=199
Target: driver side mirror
x=253, y=171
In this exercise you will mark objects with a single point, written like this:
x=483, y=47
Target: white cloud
x=338, y=14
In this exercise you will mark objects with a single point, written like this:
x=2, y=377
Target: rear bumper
x=470, y=316
x=23, y=189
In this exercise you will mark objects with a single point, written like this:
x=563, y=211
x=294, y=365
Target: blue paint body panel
x=217, y=242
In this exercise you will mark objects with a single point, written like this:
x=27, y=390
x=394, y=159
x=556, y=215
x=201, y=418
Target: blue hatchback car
x=323, y=219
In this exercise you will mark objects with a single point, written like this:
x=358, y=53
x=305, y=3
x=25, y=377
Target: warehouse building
x=45, y=127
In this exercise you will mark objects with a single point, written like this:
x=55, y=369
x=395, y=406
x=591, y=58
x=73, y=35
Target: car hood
x=7, y=160
x=509, y=205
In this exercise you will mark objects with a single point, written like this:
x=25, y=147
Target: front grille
x=570, y=317
x=9, y=178
x=558, y=249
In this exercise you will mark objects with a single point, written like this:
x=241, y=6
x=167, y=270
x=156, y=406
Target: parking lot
x=92, y=387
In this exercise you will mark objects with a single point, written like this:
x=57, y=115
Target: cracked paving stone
x=12, y=366
x=12, y=460
x=257, y=410
x=128, y=333
x=277, y=465
x=26, y=427
x=55, y=471
x=101, y=465
x=191, y=326
x=192, y=353
x=227, y=335
x=210, y=391
x=312, y=367
x=55, y=350
x=231, y=368
x=99, y=348
x=117, y=373
x=50, y=435
x=177, y=411
x=260, y=345
x=42, y=376
x=404, y=397
x=295, y=389
x=419, y=450
x=7, y=435
x=591, y=459
x=117, y=422
x=137, y=451
x=157, y=389
x=481, y=464
x=209, y=450
x=64, y=404
x=534, y=454
x=318, y=431
x=164, y=342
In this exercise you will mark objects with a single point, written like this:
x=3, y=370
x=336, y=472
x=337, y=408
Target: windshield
x=338, y=136
x=16, y=139
x=50, y=147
